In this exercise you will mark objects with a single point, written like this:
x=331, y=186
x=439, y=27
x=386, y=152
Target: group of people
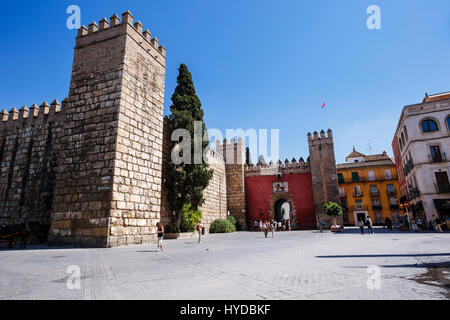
x=368, y=222
x=267, y=226
x=404, y=223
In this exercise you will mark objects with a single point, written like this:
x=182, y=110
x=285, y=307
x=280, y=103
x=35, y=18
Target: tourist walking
x=272, y=228
x=369, y=225
x=160, y=236
x=255, y=225
x=437, y=224
x=266, y=228
x=320, y=226
x=260, y=225
x=361, y=226
x=199, y=229
x=419, y=224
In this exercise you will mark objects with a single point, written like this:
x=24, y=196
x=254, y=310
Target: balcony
x=357, y=194
x=377, y=207
x=442, y=188
x=359, y=208
x=374, y=193
x=394, y=206
x=391, y=192
x=439, y=157
x=380, y=177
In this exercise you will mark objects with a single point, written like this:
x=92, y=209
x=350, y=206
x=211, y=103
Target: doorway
x=282, y=210
x=360, y=216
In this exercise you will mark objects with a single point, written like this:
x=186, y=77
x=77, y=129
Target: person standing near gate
x=273, y=226
x=160, y=236
x=266, y=228
x=199, y=230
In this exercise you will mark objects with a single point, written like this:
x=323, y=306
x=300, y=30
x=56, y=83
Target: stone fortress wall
x=94, y=166
x=29, y=148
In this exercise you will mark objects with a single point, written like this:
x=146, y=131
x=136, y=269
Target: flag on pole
x=323, y=106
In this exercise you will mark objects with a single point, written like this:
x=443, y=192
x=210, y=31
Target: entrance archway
x=282, y=210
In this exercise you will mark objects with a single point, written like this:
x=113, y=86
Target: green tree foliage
x=222, y=226
x=333, y=209
x=187, y=181
x=191, y=218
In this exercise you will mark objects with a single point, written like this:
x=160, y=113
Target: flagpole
x=326, y=117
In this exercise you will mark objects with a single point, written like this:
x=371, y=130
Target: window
x=357, y=191
x=371, y=176
x=435, y=154
x=391, y=189
x=359, y=205
x=373, y=190
x=387, y=174
x=340, y=178
x=400, y=144
x=376, y=202
x=429, y=126
x=403, y=139
x=406, y=133
x=342, y=192
x=448, y=122
x=355, y=177
x=443, y=185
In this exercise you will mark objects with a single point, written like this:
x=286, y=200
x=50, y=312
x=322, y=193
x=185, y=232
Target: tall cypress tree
x=248, y=158
x=186, y=181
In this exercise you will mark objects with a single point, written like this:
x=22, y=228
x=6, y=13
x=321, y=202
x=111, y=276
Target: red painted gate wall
x=259, y=192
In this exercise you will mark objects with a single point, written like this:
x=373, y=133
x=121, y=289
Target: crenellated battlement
x=315, y=138
x=286, y=167
x=233, y=151
x=114, y=27
x=31, y=116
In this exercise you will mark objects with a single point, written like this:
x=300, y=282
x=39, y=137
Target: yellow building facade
x=368, y=187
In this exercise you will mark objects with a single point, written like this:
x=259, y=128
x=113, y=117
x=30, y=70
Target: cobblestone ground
x=293, y=265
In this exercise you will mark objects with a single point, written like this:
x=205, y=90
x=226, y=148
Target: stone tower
x=324, y=174
x=234, y=156
x=108, y=182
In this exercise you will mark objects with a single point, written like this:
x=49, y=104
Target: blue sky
x=257, y=63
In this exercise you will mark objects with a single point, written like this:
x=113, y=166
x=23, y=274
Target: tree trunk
x=179, y=219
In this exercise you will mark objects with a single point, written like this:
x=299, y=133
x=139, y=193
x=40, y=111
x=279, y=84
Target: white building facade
x=423, y=135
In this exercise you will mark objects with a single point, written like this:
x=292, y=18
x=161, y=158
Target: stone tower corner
x=233, y=153
x=108, y=184
x=324, y=174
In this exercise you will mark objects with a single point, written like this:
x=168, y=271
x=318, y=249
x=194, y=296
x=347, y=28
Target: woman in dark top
x=160, y=236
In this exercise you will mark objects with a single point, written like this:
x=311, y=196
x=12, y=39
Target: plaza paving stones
x=245, y=265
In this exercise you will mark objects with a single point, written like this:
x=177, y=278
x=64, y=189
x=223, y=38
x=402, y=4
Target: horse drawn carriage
x=26, y=232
